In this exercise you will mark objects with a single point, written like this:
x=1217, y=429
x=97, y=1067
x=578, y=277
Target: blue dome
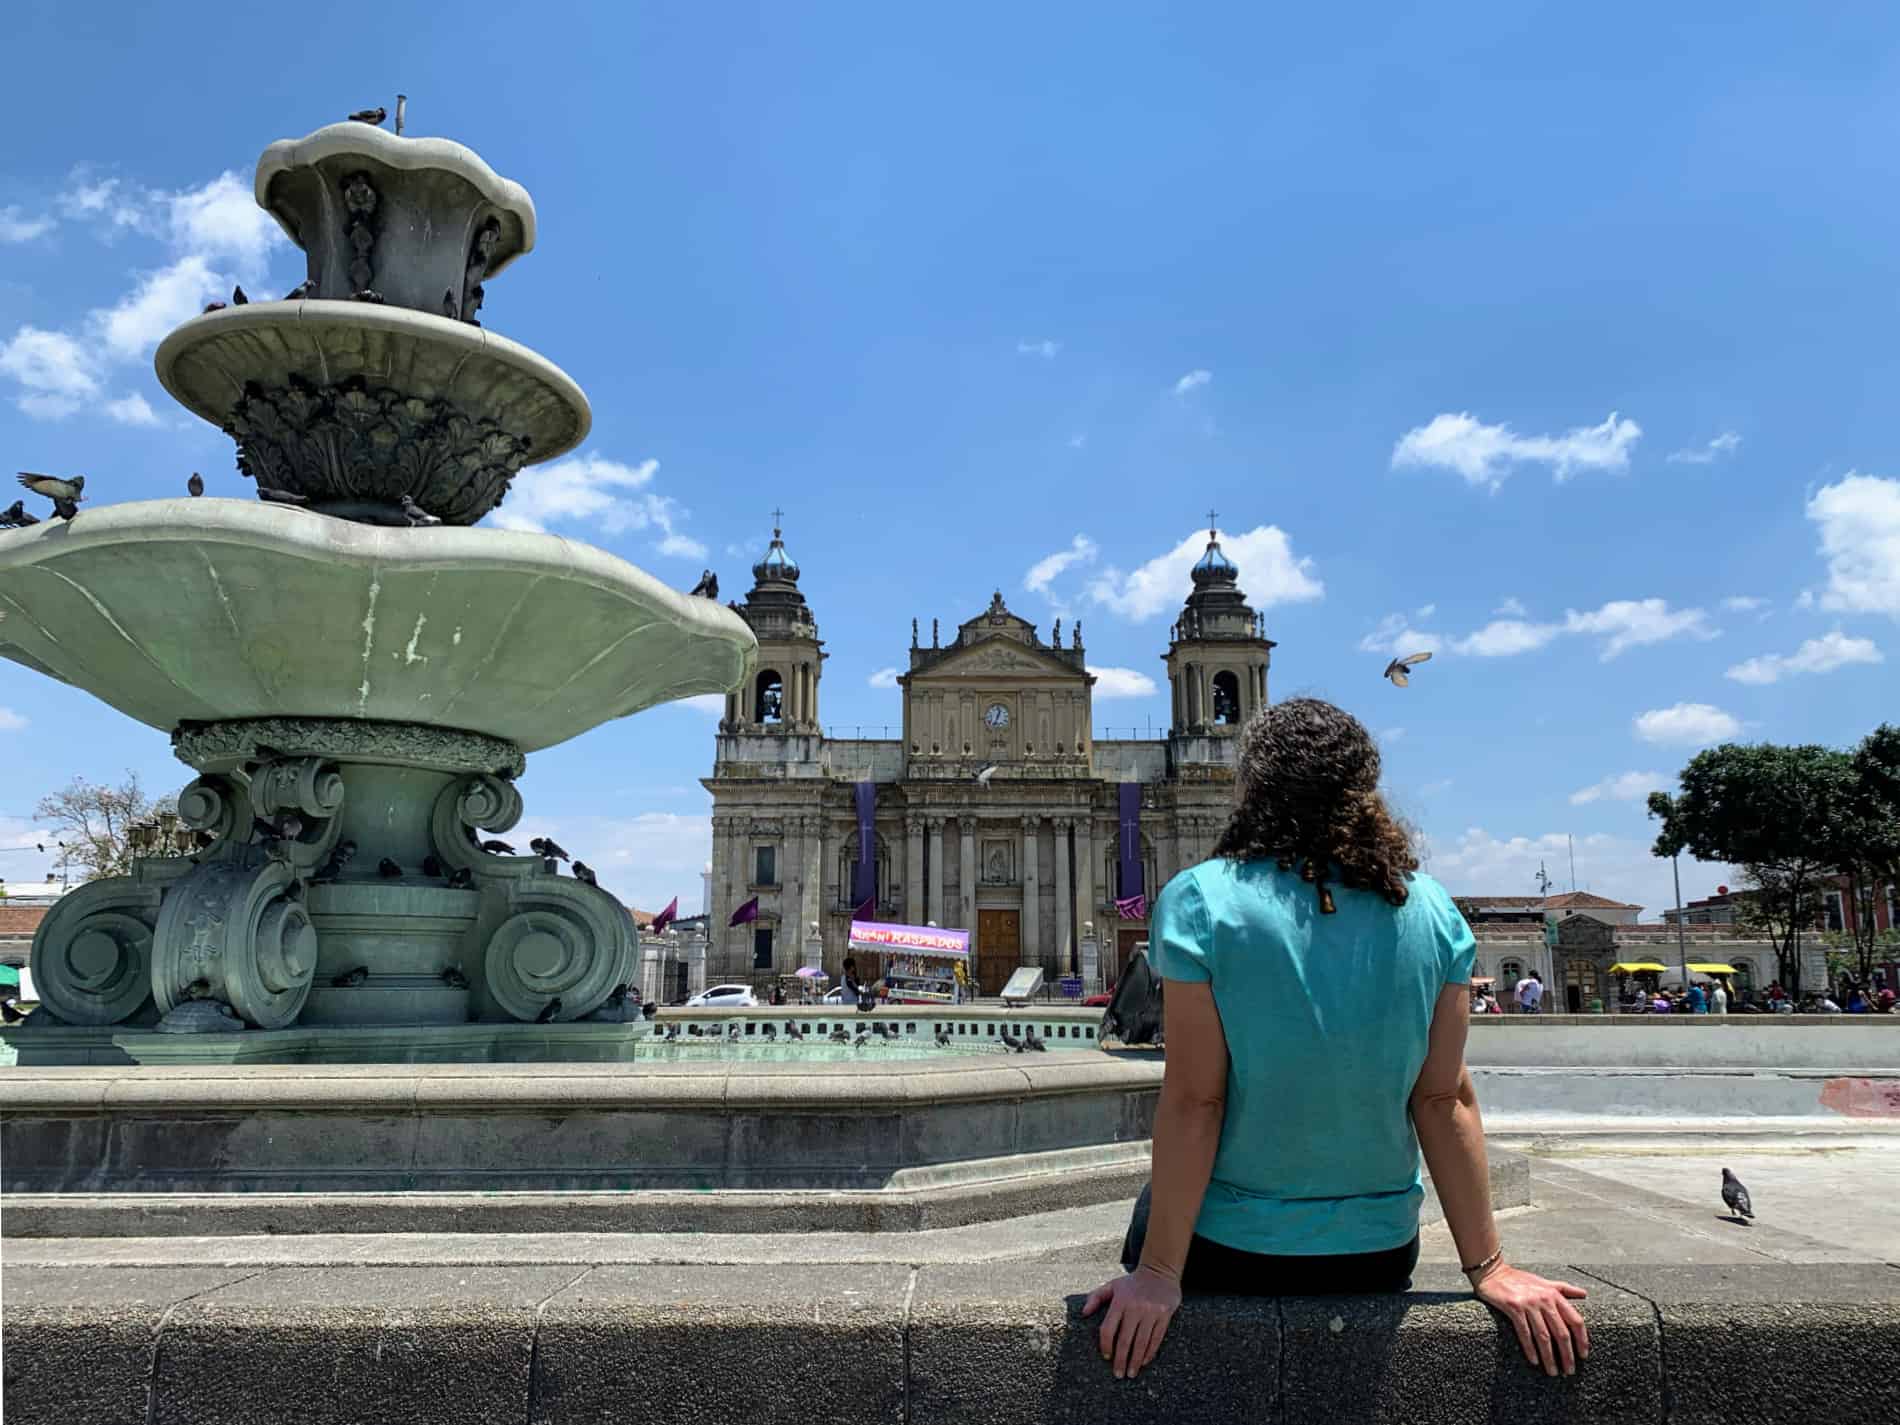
x=1214, y=566
x=777, y=564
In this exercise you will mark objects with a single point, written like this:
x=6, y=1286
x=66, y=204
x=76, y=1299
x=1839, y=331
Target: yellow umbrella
x=1636, y=965
x=1712, y=969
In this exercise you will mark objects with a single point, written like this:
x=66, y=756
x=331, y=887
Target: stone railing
x=998, y=1343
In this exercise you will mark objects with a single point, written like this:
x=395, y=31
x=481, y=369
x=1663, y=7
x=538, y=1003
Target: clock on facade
x=997, y=716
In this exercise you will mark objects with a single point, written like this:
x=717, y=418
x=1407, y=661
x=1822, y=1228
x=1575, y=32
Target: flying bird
x=370, y=116
x=63, y=493
x=708, y=585
x=454, y=978
x=548, y=847
x=281, y=497
x=196, y=484
x=305, y=288
x=1396, y=669
x=983, y=777
x=584, y=872
x=548, y=1011
x=14, y=516
x=498, y=848
x=351, y=979
x=238, y=299
x=1736, y=1196
x=418, y=517
x=388, y=870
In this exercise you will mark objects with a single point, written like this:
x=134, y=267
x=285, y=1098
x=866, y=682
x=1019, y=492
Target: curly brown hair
x=1308, y=794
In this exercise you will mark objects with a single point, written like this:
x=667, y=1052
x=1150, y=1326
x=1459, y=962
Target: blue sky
x=1557, y=338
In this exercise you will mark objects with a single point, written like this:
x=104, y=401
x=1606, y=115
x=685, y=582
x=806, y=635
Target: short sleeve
x=1180, y=942
x=1457, y=944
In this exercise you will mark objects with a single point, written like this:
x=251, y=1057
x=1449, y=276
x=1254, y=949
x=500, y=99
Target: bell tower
x=782, y=695
x=1218, y=651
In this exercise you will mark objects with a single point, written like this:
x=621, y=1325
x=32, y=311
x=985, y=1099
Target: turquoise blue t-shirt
x=1327, y=1019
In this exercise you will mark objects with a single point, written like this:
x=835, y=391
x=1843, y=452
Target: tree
x=1784, y=813
x=1871, y=847
x=92, y=823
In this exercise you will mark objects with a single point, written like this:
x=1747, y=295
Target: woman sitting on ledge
x=1317, y=996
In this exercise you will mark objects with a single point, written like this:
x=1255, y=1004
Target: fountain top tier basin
x=209, y=610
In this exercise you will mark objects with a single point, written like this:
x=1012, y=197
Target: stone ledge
x=999, y=1343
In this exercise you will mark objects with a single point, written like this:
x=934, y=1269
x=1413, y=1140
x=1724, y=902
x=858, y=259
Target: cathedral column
x=1032, y=894
x=966, y=891
x=1085, y=868
x=811, y=897
x=737, y=938
x=914, y=869
x=934, y=911
x=1190, y=676
x=1064, y=952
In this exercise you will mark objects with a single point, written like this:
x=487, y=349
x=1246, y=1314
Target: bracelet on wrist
x=1482, y=1269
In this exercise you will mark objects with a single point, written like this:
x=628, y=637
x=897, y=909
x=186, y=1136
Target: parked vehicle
x=724, y=997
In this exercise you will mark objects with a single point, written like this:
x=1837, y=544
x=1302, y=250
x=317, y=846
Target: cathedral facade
x=998, y=810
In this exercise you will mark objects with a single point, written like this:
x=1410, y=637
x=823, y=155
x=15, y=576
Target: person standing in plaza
x=1294, y=1108
x=1530, y=993
x=1698, y=999
x=1719, y=999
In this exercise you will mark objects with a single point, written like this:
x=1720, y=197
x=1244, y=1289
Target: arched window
x=1226, y=698
x=1509, y=973
x=768, y=696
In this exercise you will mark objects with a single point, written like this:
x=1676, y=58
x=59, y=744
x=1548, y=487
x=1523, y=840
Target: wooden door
x=998, y=948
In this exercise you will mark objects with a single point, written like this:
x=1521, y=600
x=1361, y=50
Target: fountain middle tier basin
x=202, y=610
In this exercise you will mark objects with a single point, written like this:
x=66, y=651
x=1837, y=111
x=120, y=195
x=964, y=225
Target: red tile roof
x=1579, y=900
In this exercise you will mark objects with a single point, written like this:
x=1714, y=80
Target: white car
x=724, y=997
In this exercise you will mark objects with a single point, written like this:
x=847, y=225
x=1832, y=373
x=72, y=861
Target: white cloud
x=160, y=302
x=1708, y=454
x=1396, y=636
x=1392, y=734
x=115, y=202
x=608, y=496
x=10, y=721
x=1859, y=518
x=712, y=704
x=883, y=678
x=1045, y=349
x=16, y=226
x=1191, y=380
x=132, y=409
x=1044, y=571
x=1437, y=788
x=221, y=220
x=56, y=372
x=1743, y=604
x=1506, y=637
x=1484, y=454
x=1479, y=863
x=1425, y=611
x=644, y=860
x=1686, y=725
x=1630, y=623
x=1269, y=572
x=1817, y=655
x=1623, y=787
x=1512, y=608
x=1122, y=683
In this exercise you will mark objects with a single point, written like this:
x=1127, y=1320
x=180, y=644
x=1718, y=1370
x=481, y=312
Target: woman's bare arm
x=1187, y=1122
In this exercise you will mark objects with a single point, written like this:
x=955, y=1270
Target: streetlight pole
x=1682, y=935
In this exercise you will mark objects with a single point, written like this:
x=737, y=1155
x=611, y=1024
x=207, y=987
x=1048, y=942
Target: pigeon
x=352, y=978
x=432, y=867
x=65, y=494
x=388, y=870
x=1034, y=1040
x=502, y=848
x=370, y=116
x=198, y=989
x=368, y=294
x=339, y=858
x=732, y=1029
x=196, y=485
x=584, y=872
x=287, y=827
x=983, y=778
x=1011, y=1042
x=281, y=497
x=769, y=1032
x=238, y=299
x=548, y=1011
x=449, y=308
x=8, y=1013
x=863, y=1037
x=454, y=978
x=1396, y=669
x=617, y=996
x=461, y=879
x=211, y=307
x=693, y=1030
x=548, y=847
x=838, y=1036
x=14, y=516
x=672, y=1033
x=943, y=1040
x=418, y=517
x=793, y=1031
x=1736, y=1196
x=708, y=585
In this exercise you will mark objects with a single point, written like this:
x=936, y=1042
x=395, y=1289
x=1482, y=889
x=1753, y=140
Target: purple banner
x=864, y=878
x=1130, y=839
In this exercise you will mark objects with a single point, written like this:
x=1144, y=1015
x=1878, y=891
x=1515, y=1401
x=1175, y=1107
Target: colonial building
x=998, y=811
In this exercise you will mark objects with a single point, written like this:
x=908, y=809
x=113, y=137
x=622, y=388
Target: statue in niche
x=999, y=866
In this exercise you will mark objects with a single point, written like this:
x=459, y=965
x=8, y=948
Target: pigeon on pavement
x=1736, y=1196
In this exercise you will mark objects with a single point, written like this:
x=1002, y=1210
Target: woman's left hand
x=1140, y=1306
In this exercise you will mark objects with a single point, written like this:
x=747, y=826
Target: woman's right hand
x=1549, y=1328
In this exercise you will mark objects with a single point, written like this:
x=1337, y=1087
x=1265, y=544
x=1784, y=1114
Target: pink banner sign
x=910, y=939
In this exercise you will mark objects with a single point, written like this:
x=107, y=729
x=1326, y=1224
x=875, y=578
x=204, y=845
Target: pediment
x=1000, y=656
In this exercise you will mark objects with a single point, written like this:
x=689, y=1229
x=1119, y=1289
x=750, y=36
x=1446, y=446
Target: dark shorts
x=1228, y=1271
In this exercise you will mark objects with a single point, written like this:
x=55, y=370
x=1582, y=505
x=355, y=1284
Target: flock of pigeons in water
x=1027, y=1042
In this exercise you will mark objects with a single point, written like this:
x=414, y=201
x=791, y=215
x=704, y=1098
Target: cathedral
x=998, y=811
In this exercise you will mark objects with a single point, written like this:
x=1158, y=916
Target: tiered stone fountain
x=356, y=692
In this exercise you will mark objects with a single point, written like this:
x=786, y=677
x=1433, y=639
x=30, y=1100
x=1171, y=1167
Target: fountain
x=354, y=669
